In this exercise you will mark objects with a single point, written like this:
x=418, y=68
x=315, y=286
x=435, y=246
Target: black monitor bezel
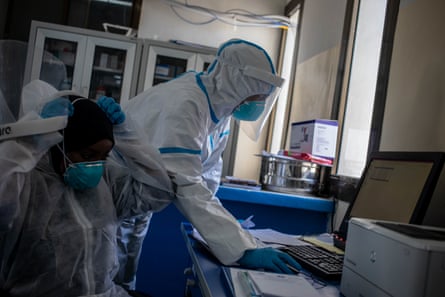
x=438, y=160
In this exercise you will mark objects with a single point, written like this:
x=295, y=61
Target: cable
x=212, y=19
x=235, y=17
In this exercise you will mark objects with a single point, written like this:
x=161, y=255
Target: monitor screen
x=391, y=190
x=396, y=186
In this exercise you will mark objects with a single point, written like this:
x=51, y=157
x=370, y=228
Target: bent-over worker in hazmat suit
x=178, y=117
x=64, y=193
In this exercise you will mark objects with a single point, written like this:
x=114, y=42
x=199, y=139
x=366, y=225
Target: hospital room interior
x=334, y=143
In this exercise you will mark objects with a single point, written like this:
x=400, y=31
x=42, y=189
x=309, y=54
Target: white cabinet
x=91, y=62
x=96, y=63
x=163, y=61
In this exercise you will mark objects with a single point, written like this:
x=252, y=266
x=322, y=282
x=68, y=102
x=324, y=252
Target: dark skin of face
x=258, y=97
x=96, y=152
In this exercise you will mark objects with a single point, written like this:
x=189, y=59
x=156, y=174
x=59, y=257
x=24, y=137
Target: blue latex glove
x=112, y=109
x=269, y=259
x=57, y=107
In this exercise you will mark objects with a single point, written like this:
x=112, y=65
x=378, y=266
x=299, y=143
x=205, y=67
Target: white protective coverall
x=55, y=241
x=179, y=116
x=212, y=161
x=132, y=232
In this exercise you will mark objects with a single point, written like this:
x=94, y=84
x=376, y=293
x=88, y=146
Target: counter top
x=276, y=199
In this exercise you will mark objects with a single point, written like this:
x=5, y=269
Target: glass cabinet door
x=92, y=63
x=165, y=64
x=56, y=59
x=167, y=68
x=107, y=72
x=108, y=68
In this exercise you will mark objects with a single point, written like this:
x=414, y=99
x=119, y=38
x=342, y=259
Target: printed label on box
x=316, y=137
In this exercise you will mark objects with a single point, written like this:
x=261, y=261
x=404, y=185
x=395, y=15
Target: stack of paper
x=252, y=283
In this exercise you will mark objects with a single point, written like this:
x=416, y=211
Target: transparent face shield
x=253, y=127
x=6, y=115
x=33, y=97
x=37, y=93
x=29, y=123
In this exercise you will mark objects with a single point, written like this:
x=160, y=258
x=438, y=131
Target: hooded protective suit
x=212, y=161
x=56, y=241
x=178, y=117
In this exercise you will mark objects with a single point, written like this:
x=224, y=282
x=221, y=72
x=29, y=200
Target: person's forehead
x=102, y=145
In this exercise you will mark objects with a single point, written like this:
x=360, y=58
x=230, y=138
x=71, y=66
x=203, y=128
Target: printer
x=389, y=259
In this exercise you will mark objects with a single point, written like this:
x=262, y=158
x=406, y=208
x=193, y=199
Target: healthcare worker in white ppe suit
x=178, y=117
x=71, y=170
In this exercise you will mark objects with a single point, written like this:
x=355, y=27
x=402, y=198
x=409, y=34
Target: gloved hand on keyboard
x=57, y=107
x=269, y=259
x=112, y=109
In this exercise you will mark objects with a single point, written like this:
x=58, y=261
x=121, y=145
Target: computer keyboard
x=320, y=262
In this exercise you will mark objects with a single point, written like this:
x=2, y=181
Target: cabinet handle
x=127, y=30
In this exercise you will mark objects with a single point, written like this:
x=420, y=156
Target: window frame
x=344, y=72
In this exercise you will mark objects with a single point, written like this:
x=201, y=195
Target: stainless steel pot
x=289, y=175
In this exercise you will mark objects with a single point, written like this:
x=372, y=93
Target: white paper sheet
x=270, y=284
x=265, y=237
x=273, y=236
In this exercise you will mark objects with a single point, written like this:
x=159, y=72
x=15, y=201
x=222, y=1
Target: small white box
x=316, y=137
x=103, y=62
x=162, y=70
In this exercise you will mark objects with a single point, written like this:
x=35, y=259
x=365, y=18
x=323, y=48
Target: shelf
x=161, y=77
x=109, y=70
x=276, y=199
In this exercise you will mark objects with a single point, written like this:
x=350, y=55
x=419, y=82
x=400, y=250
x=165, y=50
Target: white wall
x=415, y=106
x=158, y=21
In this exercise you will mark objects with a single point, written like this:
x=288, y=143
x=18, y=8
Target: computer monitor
x=395, y=186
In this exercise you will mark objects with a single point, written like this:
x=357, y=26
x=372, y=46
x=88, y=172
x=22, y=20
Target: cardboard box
x=316, y=137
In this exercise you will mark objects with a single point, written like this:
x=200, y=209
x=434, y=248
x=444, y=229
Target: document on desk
x=273, y=236
x=253, y=283
x=266, y=236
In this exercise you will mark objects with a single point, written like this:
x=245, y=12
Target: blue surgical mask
x=84, y=175
x=249, y=111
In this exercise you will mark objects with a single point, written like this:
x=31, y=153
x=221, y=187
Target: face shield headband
x=27, y=125
x=253, y=127
x=32, y=127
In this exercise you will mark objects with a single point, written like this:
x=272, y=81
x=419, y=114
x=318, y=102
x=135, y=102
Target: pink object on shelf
x=307, y=157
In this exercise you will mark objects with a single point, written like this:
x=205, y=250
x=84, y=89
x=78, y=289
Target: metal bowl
x=289, y=175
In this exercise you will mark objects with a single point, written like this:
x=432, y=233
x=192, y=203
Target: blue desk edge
x=275, y=199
